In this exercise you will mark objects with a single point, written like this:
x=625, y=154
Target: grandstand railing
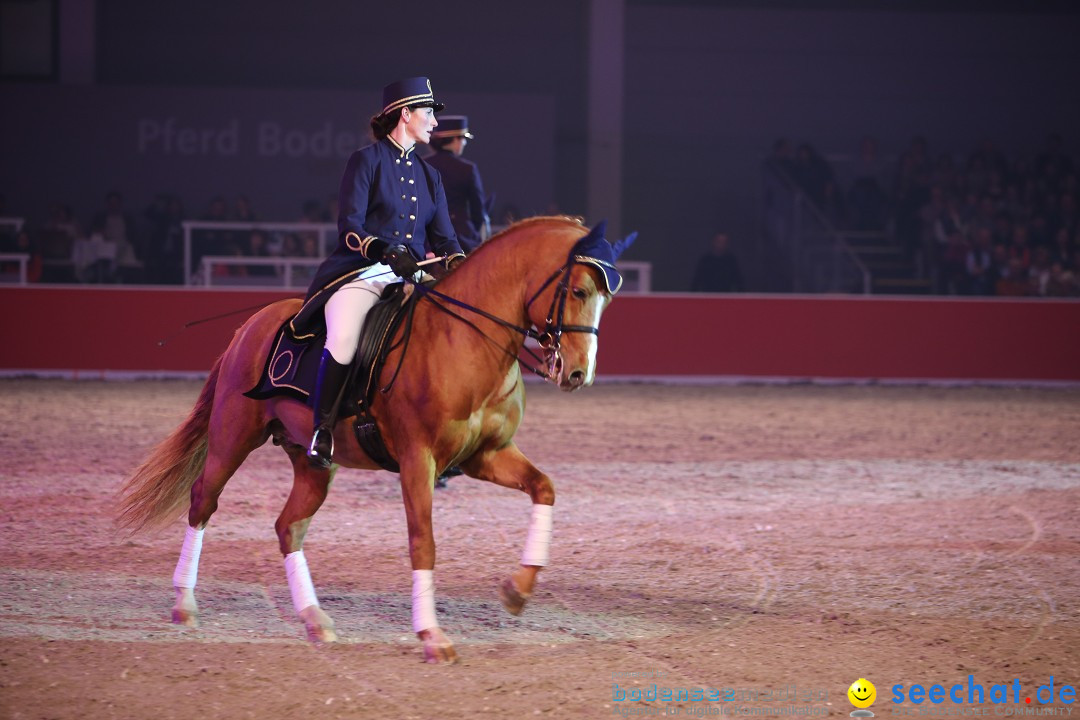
x=297, y=272
x=20, y=277
x=15, y=223
x=290, y=272
x=820, y=258
x=284, y=271
x=326, y=232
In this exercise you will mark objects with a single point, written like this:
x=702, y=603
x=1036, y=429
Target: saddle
x=292, y=368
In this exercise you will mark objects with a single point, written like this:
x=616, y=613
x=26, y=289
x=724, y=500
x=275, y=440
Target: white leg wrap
x=539, y=540
x=423, y=600
x=303, y=592
x=187, y=567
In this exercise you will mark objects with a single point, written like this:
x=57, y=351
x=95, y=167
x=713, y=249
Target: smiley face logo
x=862, y=693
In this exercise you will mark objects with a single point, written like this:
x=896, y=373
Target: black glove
x=400, y=261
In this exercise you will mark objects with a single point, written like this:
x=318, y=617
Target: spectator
x=812, y=173
x=242, y=213
x=1067, y=217
x=1013, y=281
x=867, y=199
x=1062, y=249
x=258, y=247
x=1020, y=248
x=213, y=241
x=718, y=270
x=165, y=250
x=980, y=265
x=62, y=220
x=116, y=226
x=952, y=279
x=1039, y=272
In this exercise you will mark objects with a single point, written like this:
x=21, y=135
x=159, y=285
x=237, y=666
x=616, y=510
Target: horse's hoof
x=437, y=647
x=512, y=599
x=186, y=617
x=319, y=626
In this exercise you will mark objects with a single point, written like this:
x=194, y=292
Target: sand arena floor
x=752, y=537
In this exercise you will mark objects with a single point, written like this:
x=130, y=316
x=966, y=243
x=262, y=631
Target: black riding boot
x=328, y=390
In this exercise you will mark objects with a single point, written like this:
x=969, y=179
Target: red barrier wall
x=118, y=329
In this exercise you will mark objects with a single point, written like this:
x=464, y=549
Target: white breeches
x=349, y=305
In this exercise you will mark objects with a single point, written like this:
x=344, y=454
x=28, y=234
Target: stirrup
x=321, y=456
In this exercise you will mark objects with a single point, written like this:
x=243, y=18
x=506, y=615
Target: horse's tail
x=160, y=489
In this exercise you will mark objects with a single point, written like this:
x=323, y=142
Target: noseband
x=550, y=340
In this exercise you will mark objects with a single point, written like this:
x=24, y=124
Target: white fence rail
x=283, y=271
x=216, y=269
x=20, y=277
x=325, y=232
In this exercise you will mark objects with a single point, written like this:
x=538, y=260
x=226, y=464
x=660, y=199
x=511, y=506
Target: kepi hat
x=452, y=126
x=410, y=91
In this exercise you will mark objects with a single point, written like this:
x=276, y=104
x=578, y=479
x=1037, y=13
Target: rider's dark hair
x=383, y=125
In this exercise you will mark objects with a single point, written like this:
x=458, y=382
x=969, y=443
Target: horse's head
x=567, y=308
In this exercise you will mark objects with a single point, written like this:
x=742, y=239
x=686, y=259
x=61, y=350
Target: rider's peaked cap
x=595, y=250
x=452, y=126
x=408, y=92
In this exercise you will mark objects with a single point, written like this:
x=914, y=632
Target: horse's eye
x=580, y=294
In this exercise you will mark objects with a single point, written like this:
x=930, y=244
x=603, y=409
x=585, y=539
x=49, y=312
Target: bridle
x=549, y=339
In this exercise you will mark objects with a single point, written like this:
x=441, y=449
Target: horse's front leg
x=510, y=468
x=417, y=481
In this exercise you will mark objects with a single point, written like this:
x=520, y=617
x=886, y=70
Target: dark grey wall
x=709, y=89
x=478, y=47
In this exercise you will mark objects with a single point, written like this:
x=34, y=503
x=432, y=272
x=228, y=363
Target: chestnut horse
x=457, y=399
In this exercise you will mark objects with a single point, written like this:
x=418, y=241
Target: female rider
x=390, y=202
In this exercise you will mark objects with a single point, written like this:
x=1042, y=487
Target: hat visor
x=436, y=106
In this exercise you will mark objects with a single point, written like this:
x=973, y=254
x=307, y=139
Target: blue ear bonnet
x=595, y=250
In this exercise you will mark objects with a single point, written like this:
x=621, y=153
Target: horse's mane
x=576, y=222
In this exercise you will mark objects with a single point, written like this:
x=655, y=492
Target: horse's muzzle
x=572, y=381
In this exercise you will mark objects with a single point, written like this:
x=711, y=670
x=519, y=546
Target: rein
x=550, y=340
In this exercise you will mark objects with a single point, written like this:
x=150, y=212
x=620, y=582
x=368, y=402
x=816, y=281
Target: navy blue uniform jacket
x=389, y=196
x=464, y=196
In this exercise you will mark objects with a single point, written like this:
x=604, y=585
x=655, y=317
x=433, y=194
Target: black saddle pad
x=292, y=366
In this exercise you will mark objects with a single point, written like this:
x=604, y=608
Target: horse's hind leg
x=510, y=468
x=234, y=433
x=310, y=487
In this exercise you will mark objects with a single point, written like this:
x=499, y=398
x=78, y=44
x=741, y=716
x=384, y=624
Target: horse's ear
x=621, y=246
x=598, y=231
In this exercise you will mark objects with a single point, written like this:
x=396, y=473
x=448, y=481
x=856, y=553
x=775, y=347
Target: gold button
x=396, y=233
x=411, y=181
x=413, y=198
x=403, y=197
x=398, y=162
x=411, y=217
x=402, y=216
x=408, y=162
x=403, y=180
x=408, y=236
